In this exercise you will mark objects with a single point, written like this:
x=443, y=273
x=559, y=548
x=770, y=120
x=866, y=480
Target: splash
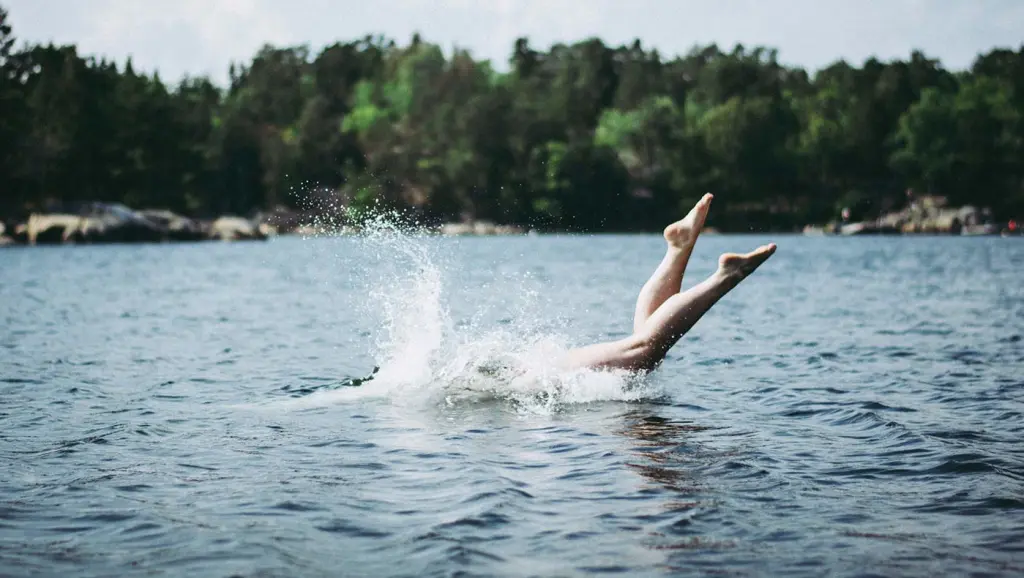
x=425, y=357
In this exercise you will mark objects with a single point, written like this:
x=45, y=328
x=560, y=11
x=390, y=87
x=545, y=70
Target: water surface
x=857, y=407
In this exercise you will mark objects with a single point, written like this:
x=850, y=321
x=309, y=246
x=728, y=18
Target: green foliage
x=965, y=144
x=581, y=137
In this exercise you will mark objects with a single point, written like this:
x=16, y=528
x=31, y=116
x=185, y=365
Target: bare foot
x=683, y=234
x=737, y=267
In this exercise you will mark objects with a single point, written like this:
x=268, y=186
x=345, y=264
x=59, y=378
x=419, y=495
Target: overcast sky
x=201, y=37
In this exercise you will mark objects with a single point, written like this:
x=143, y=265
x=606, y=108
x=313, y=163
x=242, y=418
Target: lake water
x=856, y=407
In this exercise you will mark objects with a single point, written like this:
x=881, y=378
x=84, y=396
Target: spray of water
x=425, y=357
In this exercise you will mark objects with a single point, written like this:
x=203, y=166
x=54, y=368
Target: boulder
x=456, y=229
x=485, y=228
x=509, y=230
x=178, y=228
x=982, y=229
x=115, y=223
x=21, y=234
x=4, y=239
x=280, y=221
x=51, y=229
x=235, y=229
x=855, y=229
x=98, y=223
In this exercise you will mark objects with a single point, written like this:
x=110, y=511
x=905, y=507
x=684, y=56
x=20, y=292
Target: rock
x=456, y=229
x=308, y=231
x=5, y=241
x=868, y=228
x=98, y=223
x=280, y=221
x=115, y=223
x=483, y=228
x=509, y=230
x=983, y=229
x=931, y=215
x=855, y=229
x=51, y=229
x=178, y=228
x=21, y=234
x=479, y=228
x=235, y=229
x=910, y=228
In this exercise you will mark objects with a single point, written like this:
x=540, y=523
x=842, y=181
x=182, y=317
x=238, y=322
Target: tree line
x=582, y=137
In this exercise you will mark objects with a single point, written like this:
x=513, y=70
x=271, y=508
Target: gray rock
x=178, y=228
x=115, y=223
x=97, y=223
x=235, y=229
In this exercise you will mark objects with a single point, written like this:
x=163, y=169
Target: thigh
x=623, y=354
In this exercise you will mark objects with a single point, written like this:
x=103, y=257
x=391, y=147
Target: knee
x=644, y=353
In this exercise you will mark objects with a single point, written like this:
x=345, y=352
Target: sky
x=202, y=37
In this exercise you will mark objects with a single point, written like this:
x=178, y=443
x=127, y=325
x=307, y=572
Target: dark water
x=856, y=408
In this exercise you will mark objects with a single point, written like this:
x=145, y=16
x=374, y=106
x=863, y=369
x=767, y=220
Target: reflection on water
x=665, y=448
x=669, y=455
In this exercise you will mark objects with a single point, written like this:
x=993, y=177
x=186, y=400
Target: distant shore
x=928, y=215
x=104, y=223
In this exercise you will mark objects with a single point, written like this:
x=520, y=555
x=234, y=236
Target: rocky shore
x=95, y=223
x=101, y=223
x=928, y=215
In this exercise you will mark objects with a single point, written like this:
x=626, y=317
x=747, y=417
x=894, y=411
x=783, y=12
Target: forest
x=581, y=137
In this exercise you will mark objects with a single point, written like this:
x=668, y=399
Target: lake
x=856, y=407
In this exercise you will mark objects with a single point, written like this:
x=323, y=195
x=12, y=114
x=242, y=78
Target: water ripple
x=848, y=412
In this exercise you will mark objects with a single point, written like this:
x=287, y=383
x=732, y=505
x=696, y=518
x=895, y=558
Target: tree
x=964, y=145
x=583, y=136
x=750, y=143
x=14, y=121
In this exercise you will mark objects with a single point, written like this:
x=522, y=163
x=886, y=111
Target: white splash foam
x=425, y=358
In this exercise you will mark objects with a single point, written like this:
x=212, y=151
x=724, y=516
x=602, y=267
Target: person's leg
x=668, y=277
x=647, y=347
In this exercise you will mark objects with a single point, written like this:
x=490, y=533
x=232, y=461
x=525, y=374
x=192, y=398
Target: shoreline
x=531, y=233
x=98, y=223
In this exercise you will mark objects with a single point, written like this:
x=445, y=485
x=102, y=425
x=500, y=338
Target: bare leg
x=668, y=277
x=646, y=348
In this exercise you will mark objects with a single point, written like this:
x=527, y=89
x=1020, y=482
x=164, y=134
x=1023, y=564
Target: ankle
x=675, y=251
x=728, y=275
